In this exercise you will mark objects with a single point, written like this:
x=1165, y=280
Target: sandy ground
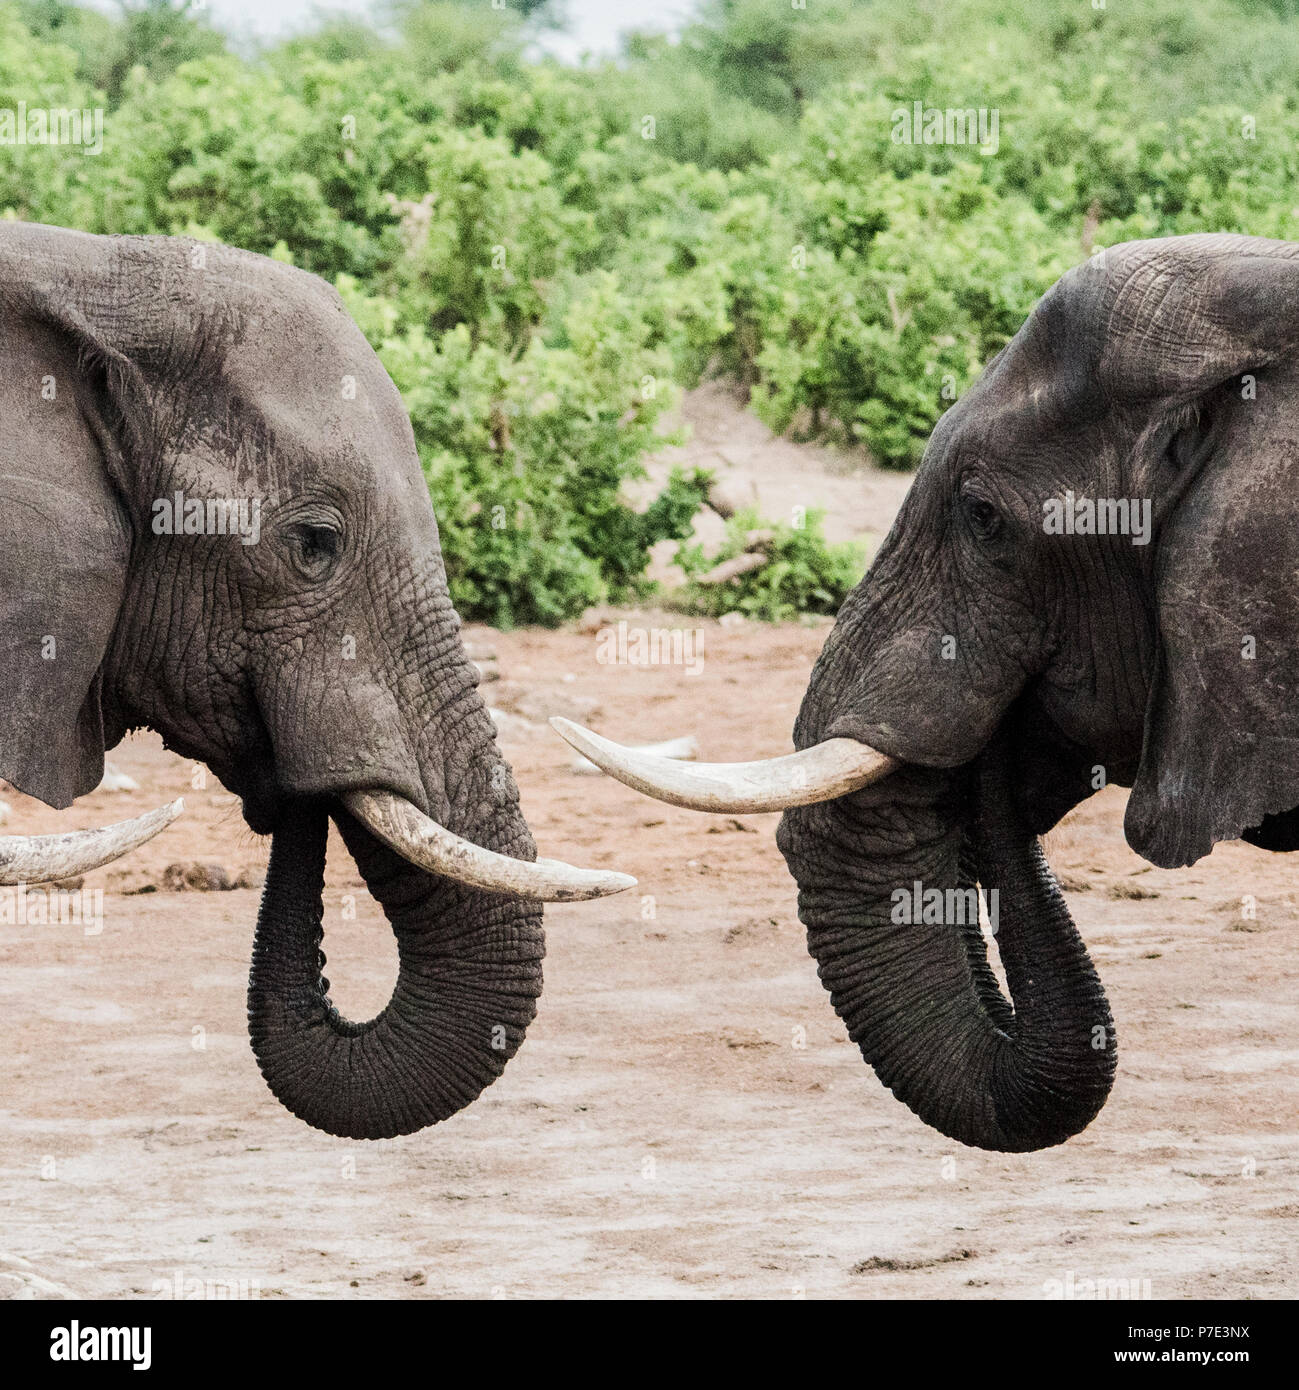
x=687, y=1116
x=777, y=475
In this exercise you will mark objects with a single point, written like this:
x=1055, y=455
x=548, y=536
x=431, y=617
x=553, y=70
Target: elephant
x=1091, y=580
x=214, y=524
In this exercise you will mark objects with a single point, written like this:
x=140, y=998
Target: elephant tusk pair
x=828, y=770
x=821, y=773
x=50, y=858
x=430, y=846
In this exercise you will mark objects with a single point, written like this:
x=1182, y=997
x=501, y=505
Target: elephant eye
x=984, y=518
x=315, y=549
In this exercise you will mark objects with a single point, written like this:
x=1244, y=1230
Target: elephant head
x=1092, y=579
x=213, y=523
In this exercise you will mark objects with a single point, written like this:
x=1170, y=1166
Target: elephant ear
x=1207, y=330
x=64, y=547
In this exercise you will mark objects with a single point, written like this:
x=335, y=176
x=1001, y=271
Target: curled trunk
x=920, y=999
x=468, y=979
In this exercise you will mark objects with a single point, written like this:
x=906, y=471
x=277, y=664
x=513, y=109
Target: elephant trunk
x=918, y=996
x=468, y=979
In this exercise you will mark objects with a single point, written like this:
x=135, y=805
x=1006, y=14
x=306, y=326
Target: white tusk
x=428, y=845
x=685, y=749
x=51, y=858
x=830, y=769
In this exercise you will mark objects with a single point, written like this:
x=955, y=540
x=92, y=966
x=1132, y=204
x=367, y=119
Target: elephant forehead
x=317, y=385
x=1036, y=400
x=297, y=396
x=328, y=411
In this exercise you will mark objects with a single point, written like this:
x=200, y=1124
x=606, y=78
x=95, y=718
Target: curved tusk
x=49, y=858
x=820, y=773
x=428, y=845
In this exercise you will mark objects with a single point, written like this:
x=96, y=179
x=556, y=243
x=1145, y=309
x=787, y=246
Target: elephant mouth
x=392, y=818
x=387, y=811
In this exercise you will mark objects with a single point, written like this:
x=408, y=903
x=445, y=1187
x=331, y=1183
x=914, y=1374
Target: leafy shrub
x=803, y=572
x=527, y=457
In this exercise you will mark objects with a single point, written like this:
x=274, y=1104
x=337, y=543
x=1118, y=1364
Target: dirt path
x=783, y=479
x=687, y=1117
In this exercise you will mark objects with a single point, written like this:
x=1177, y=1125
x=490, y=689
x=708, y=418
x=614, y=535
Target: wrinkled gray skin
x=226, y=379
x=1132, y=378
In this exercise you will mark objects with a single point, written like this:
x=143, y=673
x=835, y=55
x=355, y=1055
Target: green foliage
x=154, y=35
x=865, y=307
x=803, y=572
x=543, y=255
x=526, y=455
x=440, y=36
x=775, y=57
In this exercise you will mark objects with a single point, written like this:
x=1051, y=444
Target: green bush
x=803, y=572
x=527, y=456
x=873, y=328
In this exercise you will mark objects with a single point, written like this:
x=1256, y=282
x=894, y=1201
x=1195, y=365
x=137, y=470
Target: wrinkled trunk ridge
x=468, y=979
x=921, y=1000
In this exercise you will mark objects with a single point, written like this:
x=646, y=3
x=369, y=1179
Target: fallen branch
x=732, y=569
